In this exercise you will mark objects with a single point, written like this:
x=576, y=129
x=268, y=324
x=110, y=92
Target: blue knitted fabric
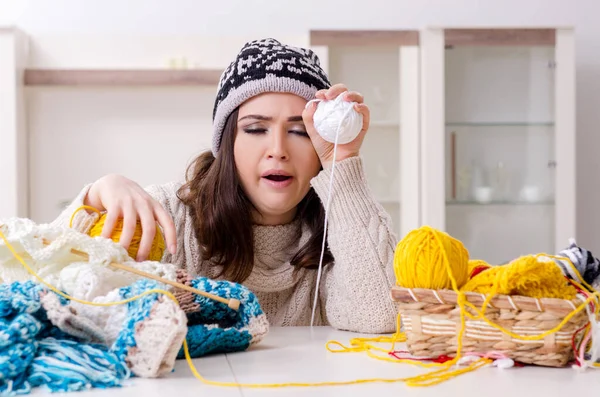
x=35, y=353
x=218, y=329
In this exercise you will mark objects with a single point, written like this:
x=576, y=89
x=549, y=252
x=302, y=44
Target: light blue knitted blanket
x=35, y=353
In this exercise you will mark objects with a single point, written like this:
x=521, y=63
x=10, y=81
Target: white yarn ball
x=330, y=114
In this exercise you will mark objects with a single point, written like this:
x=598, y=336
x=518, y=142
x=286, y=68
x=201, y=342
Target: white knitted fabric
x=80, y=278
x=258, y=327
x=159, y=339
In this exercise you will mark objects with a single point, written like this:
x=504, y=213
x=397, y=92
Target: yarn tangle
x=525, y=276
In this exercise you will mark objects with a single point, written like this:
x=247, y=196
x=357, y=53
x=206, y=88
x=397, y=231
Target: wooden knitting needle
x=231, y=303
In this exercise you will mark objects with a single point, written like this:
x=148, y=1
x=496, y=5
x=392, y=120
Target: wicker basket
x=431, y=322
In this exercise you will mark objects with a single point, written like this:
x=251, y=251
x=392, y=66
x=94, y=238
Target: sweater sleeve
x=82, y=220
x=355, y=290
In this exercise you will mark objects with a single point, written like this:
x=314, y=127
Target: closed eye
x=264, y=130
x=255, y=130
x=300, y=133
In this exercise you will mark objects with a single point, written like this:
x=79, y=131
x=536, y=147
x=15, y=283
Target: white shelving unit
x=384, y=67
x=498, y=138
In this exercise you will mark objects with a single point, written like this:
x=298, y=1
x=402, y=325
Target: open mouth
x=277, y=178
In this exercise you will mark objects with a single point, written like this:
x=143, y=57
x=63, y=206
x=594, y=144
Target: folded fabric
x=587, y=266
x=215, y=328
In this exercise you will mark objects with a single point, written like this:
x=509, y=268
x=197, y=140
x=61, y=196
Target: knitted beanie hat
x=265, y=66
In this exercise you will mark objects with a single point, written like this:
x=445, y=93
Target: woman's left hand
x=323, y=148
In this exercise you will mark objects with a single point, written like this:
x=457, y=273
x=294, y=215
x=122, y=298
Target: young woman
x=252, y=209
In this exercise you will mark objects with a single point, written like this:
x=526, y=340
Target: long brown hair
x=222, y=213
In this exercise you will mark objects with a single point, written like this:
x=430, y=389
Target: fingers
x=129, y=223
x=308, y=119
x=353, y=96
x=364, y=110
x=146, y=216
x=109, y=223
x=166, y=221
x=366, y=113
x=309, y=112
x=335, y=90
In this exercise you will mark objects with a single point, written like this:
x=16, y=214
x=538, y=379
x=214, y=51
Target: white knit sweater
x=354, y=291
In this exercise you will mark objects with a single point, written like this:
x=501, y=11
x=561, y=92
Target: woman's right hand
x=123, y=198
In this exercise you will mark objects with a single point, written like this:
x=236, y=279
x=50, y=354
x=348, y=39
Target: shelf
x=364, y=37
x=500, y=124
x=500, y=37
x=124, y=77
x=496, y=202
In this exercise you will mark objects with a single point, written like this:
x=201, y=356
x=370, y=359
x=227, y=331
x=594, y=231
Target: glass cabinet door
x=505, y=133
x=384, y=67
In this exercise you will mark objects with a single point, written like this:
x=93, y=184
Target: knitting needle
x=231, y=303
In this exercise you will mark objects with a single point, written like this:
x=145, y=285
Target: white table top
x=299, y=355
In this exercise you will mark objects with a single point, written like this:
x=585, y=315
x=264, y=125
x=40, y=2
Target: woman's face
x=274, y=157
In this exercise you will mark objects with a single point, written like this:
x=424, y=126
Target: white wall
x=41, y=18
x=278, y=17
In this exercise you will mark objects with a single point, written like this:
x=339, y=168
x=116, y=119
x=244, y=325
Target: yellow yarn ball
x=422, y=257
x=158, y=245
